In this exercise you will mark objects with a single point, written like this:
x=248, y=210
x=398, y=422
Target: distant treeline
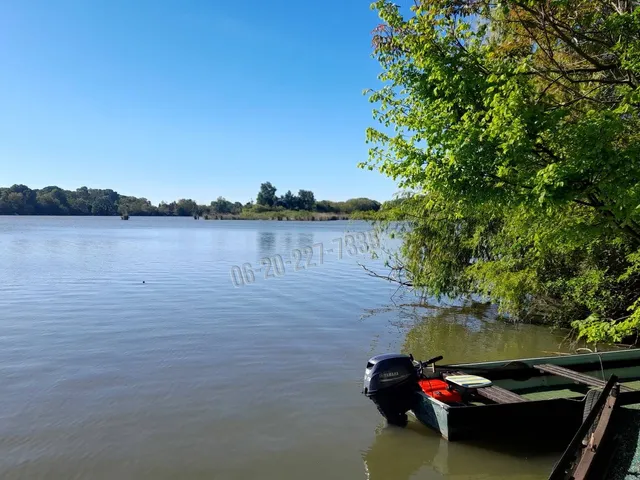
x=22, y=200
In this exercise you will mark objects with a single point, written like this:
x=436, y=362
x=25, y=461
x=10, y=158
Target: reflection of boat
x=395, y=453
x=497, y=399
x=417, y=452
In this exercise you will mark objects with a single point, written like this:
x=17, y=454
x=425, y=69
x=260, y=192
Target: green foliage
x=279, y=213
x=257, y=208
x=267, y=195
x=135, y=206
x=517, y=128
x=186, y=207
x=288, y=201
x=595, y=329
x=350, y=206
x=224, y=206
x=103, y=206
x=326, y=206
x=21, y=200
x=361, y=205
x=306, y=200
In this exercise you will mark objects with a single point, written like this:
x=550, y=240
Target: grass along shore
x=283, y=215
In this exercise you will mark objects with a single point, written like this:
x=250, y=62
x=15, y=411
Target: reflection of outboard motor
x=391, y=382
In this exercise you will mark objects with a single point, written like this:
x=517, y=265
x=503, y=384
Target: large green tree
x=103, y=206
x=306, y=200
x=267, y=195
x=186, y=207
x=515, y=125
x=221, y=205
x=289, y=200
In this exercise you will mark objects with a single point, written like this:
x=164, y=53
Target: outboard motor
x=391, y=382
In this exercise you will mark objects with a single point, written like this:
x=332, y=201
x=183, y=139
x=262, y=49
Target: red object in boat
x=439, y=390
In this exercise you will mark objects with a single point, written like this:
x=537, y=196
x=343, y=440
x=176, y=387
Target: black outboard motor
x=391, y=382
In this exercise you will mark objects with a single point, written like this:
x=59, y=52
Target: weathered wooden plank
x=575, y=376
x=500, y=395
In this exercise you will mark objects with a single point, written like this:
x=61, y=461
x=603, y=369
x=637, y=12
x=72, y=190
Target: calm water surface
x=126, y=352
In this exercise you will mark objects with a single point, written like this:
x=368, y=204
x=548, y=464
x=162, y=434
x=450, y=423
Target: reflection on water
x=417, y=452
x=287, y=241
x=470, y=333
x=271, y=243
x=305, y=239
x=188, y=377
x=266, y=244
x=410, y=451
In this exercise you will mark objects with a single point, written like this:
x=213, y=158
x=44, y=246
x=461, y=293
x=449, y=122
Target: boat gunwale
x=523, y=405
x=623, y=354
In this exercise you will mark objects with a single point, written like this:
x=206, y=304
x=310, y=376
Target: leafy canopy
x=516, y=126
x=267, y=195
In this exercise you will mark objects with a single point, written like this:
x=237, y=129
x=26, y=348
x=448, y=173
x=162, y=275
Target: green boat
x=545, y=396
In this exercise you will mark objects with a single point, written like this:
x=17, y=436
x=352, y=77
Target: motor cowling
x=391, y=382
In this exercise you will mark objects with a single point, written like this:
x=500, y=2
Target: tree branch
x=389, y=278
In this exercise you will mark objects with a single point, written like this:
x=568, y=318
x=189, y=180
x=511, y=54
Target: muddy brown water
x=147, y=350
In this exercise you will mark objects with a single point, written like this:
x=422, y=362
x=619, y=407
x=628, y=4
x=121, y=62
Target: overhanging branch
x=389, y=277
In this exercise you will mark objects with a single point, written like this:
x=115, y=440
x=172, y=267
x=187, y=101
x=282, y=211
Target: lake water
x=127, y=352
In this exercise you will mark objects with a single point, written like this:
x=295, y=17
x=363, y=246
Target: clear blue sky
x=188, y=98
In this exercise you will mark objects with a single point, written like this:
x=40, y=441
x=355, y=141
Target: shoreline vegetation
x=283, y=215
x=514, y=126
x=22, y=200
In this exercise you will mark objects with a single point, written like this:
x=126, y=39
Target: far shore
x=264, y=216
x=282, y=216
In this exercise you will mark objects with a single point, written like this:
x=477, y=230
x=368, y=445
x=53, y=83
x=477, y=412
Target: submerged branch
x=389, y=277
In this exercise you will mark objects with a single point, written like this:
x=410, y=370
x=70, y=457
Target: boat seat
x=484, y=388
x=576, y=376
x=467, y=381
x=500, y=395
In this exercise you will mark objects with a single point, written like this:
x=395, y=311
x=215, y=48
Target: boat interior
x=519, y=382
